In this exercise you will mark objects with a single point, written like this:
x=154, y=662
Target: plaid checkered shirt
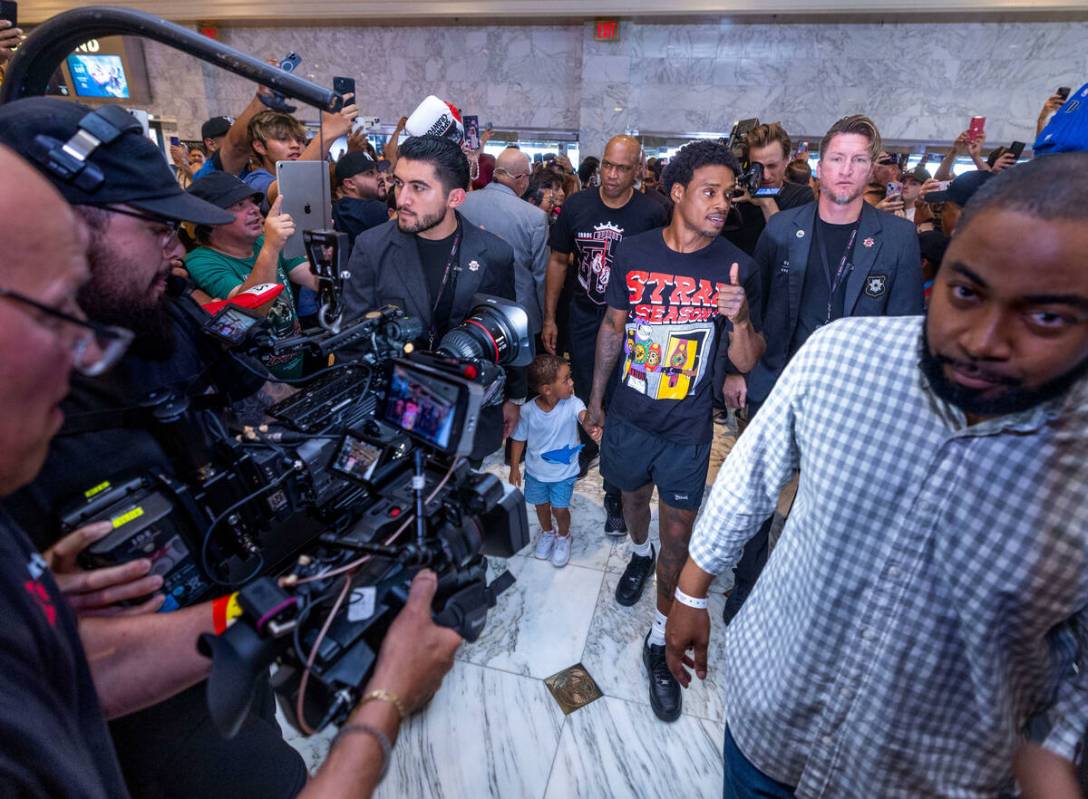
x=927, y=601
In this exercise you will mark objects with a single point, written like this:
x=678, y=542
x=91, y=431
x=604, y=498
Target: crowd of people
x=909, y=349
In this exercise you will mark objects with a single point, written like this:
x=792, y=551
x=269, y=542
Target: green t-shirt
x=218, y=274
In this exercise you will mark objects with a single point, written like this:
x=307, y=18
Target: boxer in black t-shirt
x=673, y=295
x=590, y=225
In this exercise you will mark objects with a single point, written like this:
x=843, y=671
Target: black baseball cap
x=215, y=127
x=354, y=163
x=933, y=244
x=223, y=190
x=127, y=169
x=961, y=189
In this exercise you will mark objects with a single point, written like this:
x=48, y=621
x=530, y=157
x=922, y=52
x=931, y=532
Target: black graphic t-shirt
x=671, y=301
x=589, y=228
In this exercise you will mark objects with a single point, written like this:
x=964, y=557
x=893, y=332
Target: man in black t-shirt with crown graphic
x=590, y=225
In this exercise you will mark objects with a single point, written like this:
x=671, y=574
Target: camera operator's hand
x=338, y=123
x=416, y=652
x=735, y=391
x=732, y=299
x=511, y=413
x=278, y=226
x=10, y=38
x=97, y=592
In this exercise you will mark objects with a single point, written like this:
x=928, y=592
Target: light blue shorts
x=558, y=495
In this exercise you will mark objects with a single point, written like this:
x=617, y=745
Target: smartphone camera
x=290, y=62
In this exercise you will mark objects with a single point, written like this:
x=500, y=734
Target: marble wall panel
x=918, y=80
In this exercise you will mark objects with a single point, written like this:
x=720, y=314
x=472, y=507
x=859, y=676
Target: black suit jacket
x=885, y=279
x=386, y=270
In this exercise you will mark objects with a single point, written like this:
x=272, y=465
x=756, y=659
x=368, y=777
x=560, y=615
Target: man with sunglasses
x=590, y=226
x=130, y=219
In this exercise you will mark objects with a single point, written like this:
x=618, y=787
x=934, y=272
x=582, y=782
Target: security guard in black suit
x=834, y=258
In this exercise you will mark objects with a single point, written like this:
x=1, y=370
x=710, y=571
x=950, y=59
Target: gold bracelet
x=383, y=695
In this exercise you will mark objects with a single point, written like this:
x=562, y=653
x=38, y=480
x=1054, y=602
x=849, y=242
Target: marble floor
x=494, y=730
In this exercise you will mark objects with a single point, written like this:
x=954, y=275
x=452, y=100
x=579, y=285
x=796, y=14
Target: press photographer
x=767, y=151
x=431, y=262
x=147, y=672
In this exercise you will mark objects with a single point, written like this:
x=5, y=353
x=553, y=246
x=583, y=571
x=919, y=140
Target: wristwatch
x=518, y=400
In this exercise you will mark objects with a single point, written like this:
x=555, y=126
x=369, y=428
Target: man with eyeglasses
x=498, y=207
x=834, y=258
x=148, y=676
x=170, y=747
x=590, y=226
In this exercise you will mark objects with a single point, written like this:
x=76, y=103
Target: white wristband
x=699, y=603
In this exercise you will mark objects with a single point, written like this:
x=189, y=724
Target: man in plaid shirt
x=921, y=629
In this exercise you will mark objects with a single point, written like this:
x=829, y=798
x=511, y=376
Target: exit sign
x=606, y=30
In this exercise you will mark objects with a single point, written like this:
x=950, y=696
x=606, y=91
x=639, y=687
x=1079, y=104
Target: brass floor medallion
x=573, y=688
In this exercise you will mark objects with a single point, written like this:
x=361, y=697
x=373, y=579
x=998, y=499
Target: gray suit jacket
x=885, y=279
x=525, y=228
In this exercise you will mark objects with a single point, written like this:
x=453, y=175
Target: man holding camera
x=830, y=259
x=590, y=226
x=431, y=262
x=145, y=666
x=768, y=146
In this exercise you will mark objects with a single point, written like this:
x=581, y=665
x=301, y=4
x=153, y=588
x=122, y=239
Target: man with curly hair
x=675, y=292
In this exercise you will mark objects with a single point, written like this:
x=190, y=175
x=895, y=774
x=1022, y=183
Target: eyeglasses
x=95, y=348
x=166, y=236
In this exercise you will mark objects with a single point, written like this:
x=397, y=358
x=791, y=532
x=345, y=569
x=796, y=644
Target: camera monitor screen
x=98, y=76
x=356, y=458
x=423, y=405
x=231, y=324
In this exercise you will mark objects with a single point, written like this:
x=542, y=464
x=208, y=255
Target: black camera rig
x=359, y=480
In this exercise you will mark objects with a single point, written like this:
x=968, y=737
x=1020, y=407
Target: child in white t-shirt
x=547, y=433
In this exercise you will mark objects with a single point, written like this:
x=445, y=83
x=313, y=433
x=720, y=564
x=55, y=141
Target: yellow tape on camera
x=127, y=517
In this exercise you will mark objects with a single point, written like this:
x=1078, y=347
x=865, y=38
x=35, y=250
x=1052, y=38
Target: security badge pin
x=868, y=243
x=473, y=266
x=875, y=285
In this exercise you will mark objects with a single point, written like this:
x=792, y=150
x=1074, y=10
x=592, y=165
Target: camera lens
x=486, y=335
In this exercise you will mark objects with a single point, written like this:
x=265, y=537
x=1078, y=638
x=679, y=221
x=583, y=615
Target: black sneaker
x=665, y=696
x=614, y=523
x=633, y=579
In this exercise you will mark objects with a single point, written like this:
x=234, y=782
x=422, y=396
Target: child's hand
x=515, y=476
x=595, y=432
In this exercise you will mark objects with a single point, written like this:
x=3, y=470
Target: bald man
x=590, y=225
x=53, y=739
x=498, y=208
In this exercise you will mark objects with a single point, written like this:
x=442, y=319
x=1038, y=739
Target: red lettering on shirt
x=636, y=283
x=662, y=281
x=706, y=295
x=42, y=598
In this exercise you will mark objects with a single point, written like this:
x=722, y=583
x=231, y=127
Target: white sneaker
x=561, y=553
x=544, y=545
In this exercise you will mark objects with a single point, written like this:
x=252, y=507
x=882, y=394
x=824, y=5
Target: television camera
x=362, y=471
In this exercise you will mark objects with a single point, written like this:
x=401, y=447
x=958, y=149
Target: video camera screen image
x=356, y=458
x=98, y=76
x=422, y=406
